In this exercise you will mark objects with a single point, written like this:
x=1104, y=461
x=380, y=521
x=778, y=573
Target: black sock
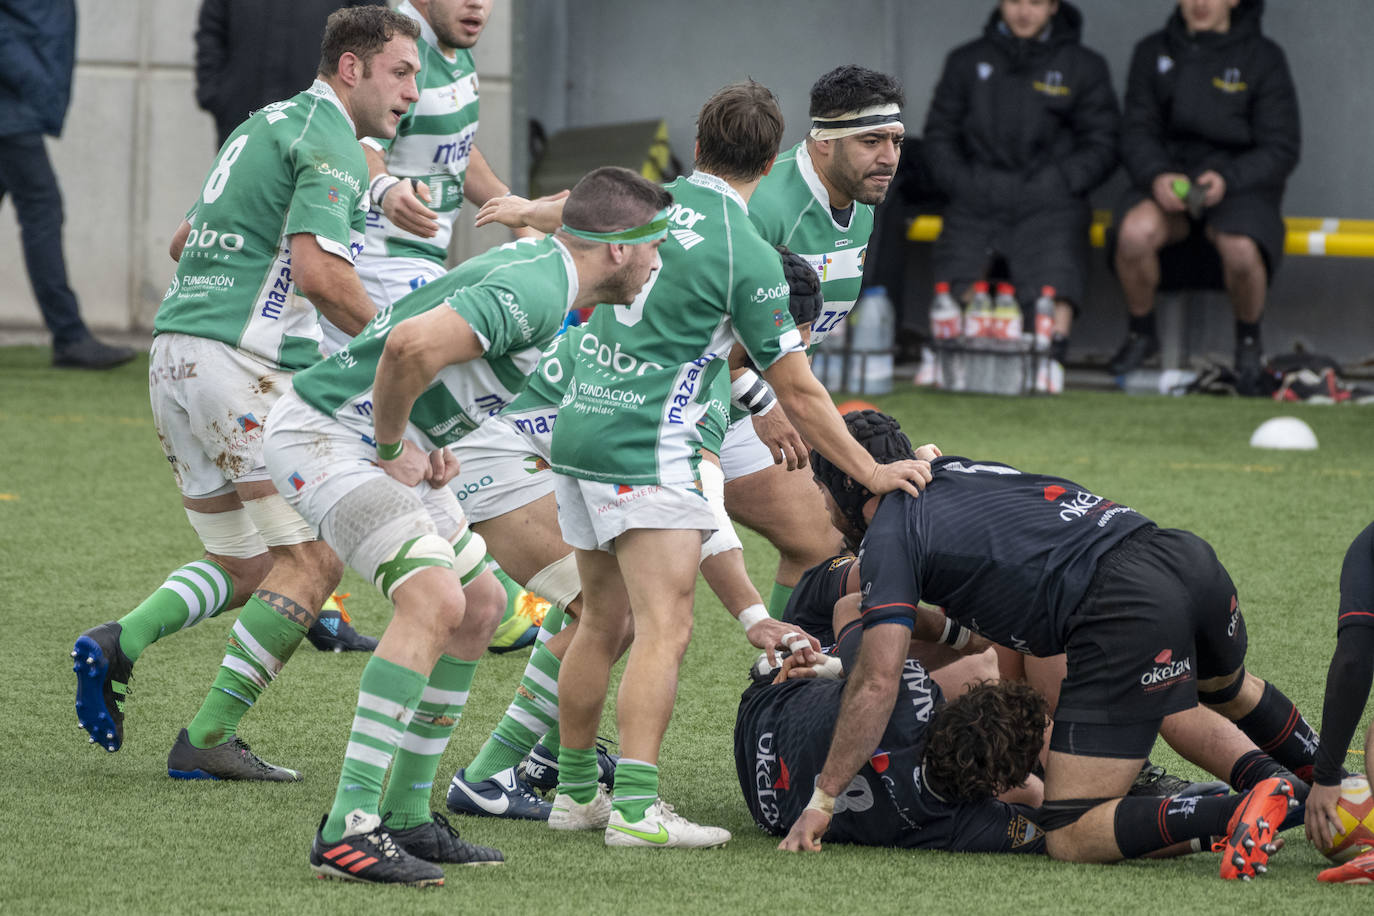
x=1145, y=825
x=1254, y=767
x=1247, y=331
x=1142, y=324
x=1278, y=729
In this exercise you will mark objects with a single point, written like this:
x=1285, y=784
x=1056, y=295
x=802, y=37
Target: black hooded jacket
x=1018, y=125
x=1221, y=101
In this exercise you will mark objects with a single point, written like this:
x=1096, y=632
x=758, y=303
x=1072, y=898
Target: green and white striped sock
x=412, y=773
x=193, y=593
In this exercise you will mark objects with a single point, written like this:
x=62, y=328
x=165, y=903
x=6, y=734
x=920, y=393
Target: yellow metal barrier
x=1307, y=235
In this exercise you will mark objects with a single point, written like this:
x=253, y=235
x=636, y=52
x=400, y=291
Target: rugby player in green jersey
x=359, y=447
x=270, y=240
x=818, y=200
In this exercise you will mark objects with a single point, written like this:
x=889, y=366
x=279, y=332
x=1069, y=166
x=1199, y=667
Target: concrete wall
x=603, y=61
x=136, y=150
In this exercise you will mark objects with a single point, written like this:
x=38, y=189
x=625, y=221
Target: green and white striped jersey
x=293, y=167
x=791, y=207
x=433, y=143
x=631, y=416
x=515, y=297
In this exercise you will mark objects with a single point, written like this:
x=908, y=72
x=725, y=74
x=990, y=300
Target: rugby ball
x=1356, y=811
x=1284, y=433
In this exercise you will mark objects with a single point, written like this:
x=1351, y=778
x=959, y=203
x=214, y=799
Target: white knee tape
x=724, y=538
x=425, y=551
x=229, y=534
x=279, y=523
x=557, y=583
x=469, y=555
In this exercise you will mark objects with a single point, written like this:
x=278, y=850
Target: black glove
x=804, y=287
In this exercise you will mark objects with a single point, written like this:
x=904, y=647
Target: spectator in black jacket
x=1021, y=127
x=37, y=55
x=250, y=53
x=1210, y=106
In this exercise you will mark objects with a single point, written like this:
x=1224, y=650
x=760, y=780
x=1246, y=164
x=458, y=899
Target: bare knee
x=1066, y=845
x=485, y=604
x=1143, y=232
x=246, y=573
x=1239, y=253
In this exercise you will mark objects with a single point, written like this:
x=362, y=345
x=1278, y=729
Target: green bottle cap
x=1181, y=187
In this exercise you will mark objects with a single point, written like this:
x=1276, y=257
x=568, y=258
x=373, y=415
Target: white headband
x=856, y=122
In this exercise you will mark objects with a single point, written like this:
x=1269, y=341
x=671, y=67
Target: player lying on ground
x=505, y=486
x=1147, y=617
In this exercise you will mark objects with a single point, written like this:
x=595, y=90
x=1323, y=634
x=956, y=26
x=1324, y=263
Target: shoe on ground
x=1249, y=367
x=540, y=767
x=367, y=853
x=333, y=630
x=103, y=673
x=232, y=759
x=505, y=794
x=1133, y=352
x=1155, y=782
x=1249, y=839
x=438, y=841
x=661, y=827
x=89, y=353
x=1359, y=870
x=568, y=814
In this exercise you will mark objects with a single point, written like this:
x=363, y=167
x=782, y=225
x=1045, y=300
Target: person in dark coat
x=1021, y=127
x=1209, y=137
x=37, y=56
x=250, y=53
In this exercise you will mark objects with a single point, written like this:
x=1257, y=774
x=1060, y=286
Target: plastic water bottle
x=978, y=317
x=979, y=367
x=874, y=334
x=1049, y=375
x=946, y=318
x=1006, y=313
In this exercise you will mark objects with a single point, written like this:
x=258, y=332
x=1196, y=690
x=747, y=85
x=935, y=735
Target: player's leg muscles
x=787, y=509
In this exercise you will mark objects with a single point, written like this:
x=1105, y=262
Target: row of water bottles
x=985, y=347
x=864, y=365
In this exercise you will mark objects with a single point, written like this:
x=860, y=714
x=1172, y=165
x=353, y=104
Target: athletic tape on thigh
x=557, y=583
x=412, y=556
x=280, y=525
x=1062, y=812
x=469, y=555
x=369, y=525
x=1225, y=694
x=229, y=534
x=713, y=485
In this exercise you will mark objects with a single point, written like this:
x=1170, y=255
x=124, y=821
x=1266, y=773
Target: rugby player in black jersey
x=1147, y=617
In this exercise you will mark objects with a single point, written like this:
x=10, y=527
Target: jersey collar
x=426, y=30
x=719, y=185
x=571, y=265
x=322, y=90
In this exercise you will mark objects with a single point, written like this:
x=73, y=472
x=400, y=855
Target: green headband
x=652, y=231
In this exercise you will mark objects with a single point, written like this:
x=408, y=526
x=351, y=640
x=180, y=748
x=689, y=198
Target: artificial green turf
x=90, y=523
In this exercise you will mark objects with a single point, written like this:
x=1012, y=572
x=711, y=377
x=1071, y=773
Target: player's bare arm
x=482, y=185
x=416, y=349
x=543, y=213
x=811, y=410
x=868, y=699
x=179, y=240
x=330, y=283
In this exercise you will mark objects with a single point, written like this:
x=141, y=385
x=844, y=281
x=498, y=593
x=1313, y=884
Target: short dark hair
x=850, y=88
x=612, y=198
x=985, y=742
x=739, y=131
x=364, y=30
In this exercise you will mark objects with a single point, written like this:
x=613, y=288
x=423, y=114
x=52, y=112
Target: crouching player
x=349, y=447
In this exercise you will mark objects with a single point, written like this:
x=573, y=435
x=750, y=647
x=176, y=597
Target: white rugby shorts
x=209, y=403
x=592, y=515
x=504, y=464
x=742, y=452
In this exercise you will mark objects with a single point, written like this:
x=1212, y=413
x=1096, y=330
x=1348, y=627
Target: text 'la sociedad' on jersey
x=293, y=167
x=515, y=297
x=632, y=415
x=433, y=143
